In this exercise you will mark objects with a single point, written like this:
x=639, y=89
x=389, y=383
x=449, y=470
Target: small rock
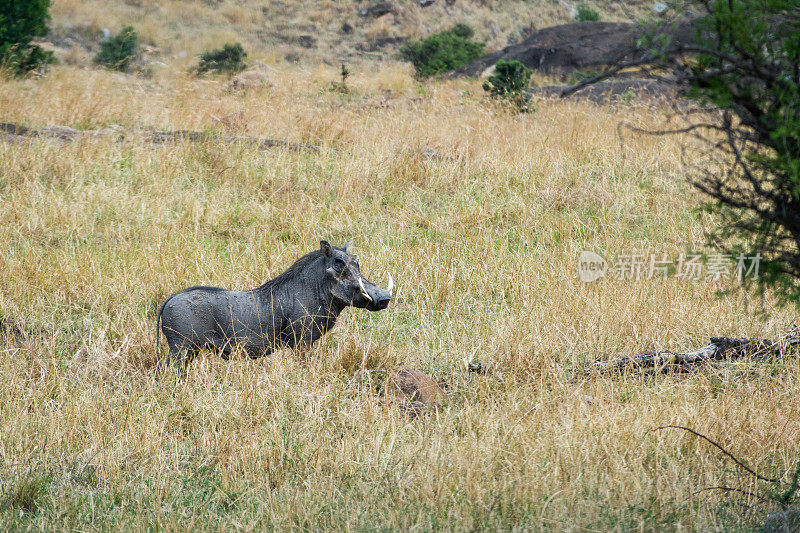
x=236, y=121
x=488, y=72
x=307, y=41
x=378, y=10
x=106, y=33
x=484, y=368
x=787, y=521
x=426, y=152
x=426, y=3
x=250, y=79
x=413, y=385
x=347, y=28
x=587, y=400
x=376, y=44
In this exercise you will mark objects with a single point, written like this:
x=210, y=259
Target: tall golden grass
x=483, y=243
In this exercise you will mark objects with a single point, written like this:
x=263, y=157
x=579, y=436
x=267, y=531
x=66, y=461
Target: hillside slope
x=289, y=30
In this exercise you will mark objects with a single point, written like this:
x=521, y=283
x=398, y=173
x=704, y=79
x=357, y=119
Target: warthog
x=291, y=311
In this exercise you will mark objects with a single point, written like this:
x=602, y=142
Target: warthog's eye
x=338, y=263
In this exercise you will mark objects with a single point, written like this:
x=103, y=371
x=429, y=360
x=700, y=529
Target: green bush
x=20, y=22
x=586, y=13
x=119, y=51
x=510, y=81
x=229, y=59
x=443, y=51
x=24, y=493
x=580, y=75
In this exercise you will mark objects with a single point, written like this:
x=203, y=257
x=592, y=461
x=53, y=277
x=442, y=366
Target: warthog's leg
x=256, y=352
x=181, y=353
x=305, y=342
x=299, y=336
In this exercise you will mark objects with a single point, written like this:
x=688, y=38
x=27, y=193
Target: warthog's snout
x=377, y=298
x=382, y=299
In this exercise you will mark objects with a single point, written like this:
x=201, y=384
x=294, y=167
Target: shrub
x=119, y=51
x=341, y=87
x=229, y=59
x=443, y=51
x=510, y=81
x=20, y=22
x=24, y=493
x=580, y=75
x=587, y=14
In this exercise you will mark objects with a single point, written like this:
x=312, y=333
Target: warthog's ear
x=346, y=248
x=325, y=246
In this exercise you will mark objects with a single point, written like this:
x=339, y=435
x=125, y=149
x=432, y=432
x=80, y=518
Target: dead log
x=719, y=349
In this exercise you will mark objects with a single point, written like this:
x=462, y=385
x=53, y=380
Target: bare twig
x=739, y=463
x=734, y=489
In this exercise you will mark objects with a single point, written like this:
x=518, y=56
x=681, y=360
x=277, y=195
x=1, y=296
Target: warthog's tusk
x=391, y=284
x=363, y=290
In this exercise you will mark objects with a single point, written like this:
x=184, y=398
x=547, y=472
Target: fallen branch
x=11, y=132
x=719, y=349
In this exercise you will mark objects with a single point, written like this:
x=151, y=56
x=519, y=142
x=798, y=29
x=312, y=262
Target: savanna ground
x=483, y=244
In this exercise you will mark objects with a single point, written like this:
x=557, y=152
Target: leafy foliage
x=24, y=492
x=586, y=14
x=118, y=52
x=443, y=51
x=230, y=59
x=510, y=81
x=747, y=66
x=20, y=22
x=743, y=70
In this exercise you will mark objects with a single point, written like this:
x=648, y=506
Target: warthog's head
x=349, y=287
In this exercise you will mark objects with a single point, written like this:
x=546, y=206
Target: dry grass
x=483, y=243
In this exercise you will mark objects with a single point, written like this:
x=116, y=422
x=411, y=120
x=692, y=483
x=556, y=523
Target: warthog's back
x=210, y=317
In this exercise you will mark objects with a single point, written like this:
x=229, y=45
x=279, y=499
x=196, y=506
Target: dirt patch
x=604, y=92
x=17, y=132
x=413, y=391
